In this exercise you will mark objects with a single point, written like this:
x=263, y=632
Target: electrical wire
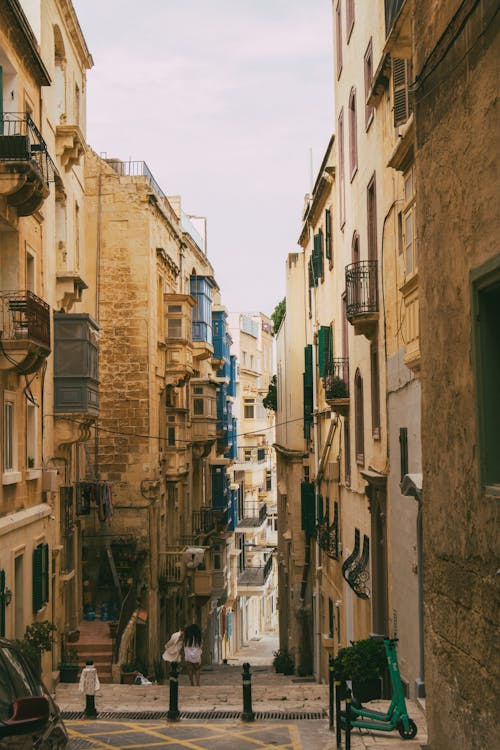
x=166, y=439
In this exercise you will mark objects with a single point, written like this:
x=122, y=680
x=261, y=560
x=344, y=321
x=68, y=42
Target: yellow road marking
x=213, y=732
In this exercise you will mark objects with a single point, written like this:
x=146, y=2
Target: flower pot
x=68, y=672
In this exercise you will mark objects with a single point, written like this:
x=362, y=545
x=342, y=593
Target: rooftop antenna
x=311, y=169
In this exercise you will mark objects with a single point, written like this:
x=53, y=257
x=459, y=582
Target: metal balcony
x=361, y=282
x=26, y=168
x=255, y=577
x=206, y=520
x=336, y=385
x=24, y=331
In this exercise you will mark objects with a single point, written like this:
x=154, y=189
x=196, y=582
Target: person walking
x=192, y=653
x=173, y=647
x=89, y=685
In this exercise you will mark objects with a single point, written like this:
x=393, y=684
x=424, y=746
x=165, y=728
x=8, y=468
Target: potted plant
x=363, y=663
x=283, y=661
x=69, y=666
x=36, y=640
x=128, y=673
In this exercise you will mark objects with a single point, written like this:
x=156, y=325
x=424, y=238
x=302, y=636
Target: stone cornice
x=25, y=40
x=71, y=21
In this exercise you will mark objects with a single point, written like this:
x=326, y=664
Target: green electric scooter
x=396, y=716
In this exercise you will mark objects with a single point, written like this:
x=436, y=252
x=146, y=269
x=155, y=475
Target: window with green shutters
x=307, y=507
x=308, y=390
x=40, y=576
x=316, y=268
x=325, y=350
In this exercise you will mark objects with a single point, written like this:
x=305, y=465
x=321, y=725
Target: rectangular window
x=174, y=328
x=371, y=199
x=268, y=480
x=8, y=436
x=171, y=435
x=340, y=132
x=40, y=576
x=338, y=37
x=375, y=390
x=31, y=435
x=409, y=245
x=353, y=133
x=249, y=409
x=486, y=314
x=403, y=451
x=368, y=70
x=198, y=406
x=347, y=452
x=201, y=290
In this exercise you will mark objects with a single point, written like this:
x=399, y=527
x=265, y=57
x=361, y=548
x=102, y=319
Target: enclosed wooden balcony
x=179, y=341
x=25, y=165
x=24, y=331
x=361, y=282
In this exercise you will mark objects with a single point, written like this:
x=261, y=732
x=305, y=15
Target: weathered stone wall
x=457, y=162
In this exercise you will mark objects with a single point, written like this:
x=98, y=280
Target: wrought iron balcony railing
x=23, y=315
x=337, y=379
x=361, y=288
x=327, y=534
x=20, y=140
x=356, y=569
x=256, y=575
x=206, y=520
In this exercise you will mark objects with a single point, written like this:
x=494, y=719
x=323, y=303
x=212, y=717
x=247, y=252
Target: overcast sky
x=223, y=99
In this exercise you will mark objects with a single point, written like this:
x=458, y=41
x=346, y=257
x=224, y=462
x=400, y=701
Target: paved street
x=291, y=713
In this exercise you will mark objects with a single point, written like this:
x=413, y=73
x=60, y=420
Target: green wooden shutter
x=37, y=578
x=307, y=507
x=308, y=390
x=317, y=259
x=45, y=573
x=328, y=234
x=320, y=507
x=324, y=350
x=400, y=91
x=2, y=603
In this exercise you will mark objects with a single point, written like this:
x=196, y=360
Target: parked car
x=29, y=718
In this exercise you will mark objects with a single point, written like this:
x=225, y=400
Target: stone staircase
x=96, y=643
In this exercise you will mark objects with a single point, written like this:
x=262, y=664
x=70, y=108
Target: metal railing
x=206, y=520
x=23, y=315
x=141, y=169
x=20, y=140
x=361, y=288
x=256, y=575
x=171, y=567
x=337, y=378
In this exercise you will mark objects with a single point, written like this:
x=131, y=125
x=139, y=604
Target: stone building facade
x=43, y=60
x=455, y=69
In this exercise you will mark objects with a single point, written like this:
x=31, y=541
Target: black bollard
x=90, y=709
x=338, y=714
x=330, y=691
x=248, y=714
x=173, y=709
x=348, y=721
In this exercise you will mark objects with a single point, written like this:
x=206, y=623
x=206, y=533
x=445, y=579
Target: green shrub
x=283, y=661
x=363, y=661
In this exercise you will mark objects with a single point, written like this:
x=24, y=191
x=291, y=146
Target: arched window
x=353, y=133
x=359, y=425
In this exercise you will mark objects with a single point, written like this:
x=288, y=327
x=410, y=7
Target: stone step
x=94, y=648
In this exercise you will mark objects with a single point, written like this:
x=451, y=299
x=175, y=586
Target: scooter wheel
x=410, y=733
